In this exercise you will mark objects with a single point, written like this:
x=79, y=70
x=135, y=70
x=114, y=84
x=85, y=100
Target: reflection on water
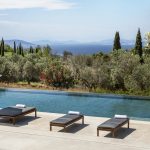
x=2, y=92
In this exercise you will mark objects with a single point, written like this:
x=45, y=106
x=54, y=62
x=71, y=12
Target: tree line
x=122, y=70
x=20, y=50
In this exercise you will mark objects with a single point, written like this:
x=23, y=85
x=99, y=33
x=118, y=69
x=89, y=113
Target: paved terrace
x=33, y=134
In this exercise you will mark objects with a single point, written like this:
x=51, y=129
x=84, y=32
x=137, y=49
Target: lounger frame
x=14, y=118
x=113, y=130
x=67, y=124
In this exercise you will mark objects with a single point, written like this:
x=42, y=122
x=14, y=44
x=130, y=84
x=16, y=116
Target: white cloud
x=47, y=4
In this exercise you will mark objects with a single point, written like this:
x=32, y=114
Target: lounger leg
x=97, y=132
x=10, y=120
x=83, y=120
x=50, y=128
x=128, y=125
x=13, y=121
x=113, y=133
x=35, y=114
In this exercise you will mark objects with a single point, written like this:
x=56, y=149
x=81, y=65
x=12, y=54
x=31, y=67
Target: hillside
x=25, y=44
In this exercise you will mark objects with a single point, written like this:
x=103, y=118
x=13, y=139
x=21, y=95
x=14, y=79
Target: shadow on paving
x=121, y=133
x=74, y=128
x=19, y=122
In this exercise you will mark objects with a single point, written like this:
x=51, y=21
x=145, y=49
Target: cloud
x=3, y=15
x=46, y=4
x=8, y=23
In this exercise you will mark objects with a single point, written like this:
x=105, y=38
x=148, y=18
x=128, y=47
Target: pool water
x=62, y=102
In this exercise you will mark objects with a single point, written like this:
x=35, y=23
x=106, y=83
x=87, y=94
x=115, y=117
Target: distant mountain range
x=25, y=44
x=47, y=42
x=75, y=47
x=103, y=42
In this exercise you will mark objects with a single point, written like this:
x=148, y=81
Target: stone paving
x=33, y=134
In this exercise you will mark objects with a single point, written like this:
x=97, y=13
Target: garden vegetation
x=120, y=71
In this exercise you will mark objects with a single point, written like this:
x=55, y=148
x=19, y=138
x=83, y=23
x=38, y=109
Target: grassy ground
x=121, y=92
x=40, y=86
x=9, y=54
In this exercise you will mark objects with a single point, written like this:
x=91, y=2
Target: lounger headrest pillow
x=73, y=113
x=121, y=116
x=21, y=105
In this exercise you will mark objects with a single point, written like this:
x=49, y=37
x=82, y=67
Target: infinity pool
x=88, y=104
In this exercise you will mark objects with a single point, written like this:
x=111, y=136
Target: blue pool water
x=62, y=102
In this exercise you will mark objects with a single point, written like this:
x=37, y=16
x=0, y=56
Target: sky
x=73, y=20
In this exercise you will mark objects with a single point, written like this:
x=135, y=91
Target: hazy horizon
x=73, y=20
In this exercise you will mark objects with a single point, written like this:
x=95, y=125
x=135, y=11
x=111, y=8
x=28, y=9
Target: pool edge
x=87, y=94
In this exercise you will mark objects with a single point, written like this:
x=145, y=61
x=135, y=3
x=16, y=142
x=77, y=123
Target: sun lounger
x=14, y=112
x=113, y=125
x=66, y=120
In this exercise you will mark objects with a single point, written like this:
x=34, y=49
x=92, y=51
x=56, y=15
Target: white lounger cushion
x=121, y=116
x=21, y=105
x=73, y=113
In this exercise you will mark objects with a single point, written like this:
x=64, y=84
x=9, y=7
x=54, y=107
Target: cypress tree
x=38, y=48
x=15, y=49
x=22, y=52
x=2, y=47
x=31, y=50
x=138, y=44
x=117, y=44
x=20, y=49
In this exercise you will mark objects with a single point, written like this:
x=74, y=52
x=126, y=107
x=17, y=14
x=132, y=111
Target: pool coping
x=86, y=94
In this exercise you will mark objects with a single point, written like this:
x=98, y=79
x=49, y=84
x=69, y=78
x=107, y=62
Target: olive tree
x=122, y=65
x=59, y=75
x=8, y=70
x=30, y=72
x=147, y=38
x=139, y=79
